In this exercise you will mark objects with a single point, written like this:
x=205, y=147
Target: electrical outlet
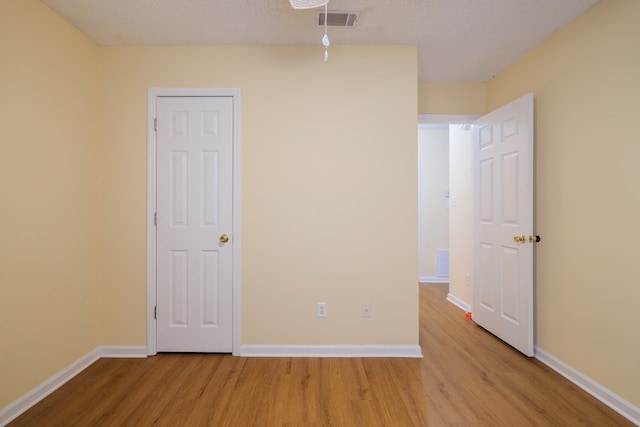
x=467, y=279
x=322, y=309
x=365, y=309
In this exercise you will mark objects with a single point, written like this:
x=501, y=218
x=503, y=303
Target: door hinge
x=155, y=312
x=155, y=124
x=155, y=218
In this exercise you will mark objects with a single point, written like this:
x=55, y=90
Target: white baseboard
x=407, y=351
x=131, y=351
x=23, y=403
x=458, y=303
x=603, y=394
x=434, y=279
x=606, y=396
x=14, y=409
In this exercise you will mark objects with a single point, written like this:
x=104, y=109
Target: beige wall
x=433, y=161
x=586, y=84
x=49, y=227
x=452, y=98
x=329, y=207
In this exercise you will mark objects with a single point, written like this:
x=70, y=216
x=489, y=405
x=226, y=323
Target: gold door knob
x=520, y=239
x=224, y=238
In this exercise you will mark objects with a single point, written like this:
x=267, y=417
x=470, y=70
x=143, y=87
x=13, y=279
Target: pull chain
x=325, y=38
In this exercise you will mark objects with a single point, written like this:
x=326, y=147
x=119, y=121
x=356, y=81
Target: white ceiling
x=458, y=40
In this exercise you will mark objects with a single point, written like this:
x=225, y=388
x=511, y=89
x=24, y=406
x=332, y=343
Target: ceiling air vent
x=338, y=19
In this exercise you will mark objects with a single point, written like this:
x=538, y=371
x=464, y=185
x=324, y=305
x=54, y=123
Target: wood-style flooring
x=466, y=378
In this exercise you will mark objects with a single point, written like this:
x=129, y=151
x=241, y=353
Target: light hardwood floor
x=466, y=378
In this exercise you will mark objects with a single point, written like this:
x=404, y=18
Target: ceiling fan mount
x=307, y=4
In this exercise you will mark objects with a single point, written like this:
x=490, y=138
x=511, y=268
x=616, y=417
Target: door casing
x=152, y=95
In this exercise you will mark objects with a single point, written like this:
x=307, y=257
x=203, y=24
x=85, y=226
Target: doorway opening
x=446, y=203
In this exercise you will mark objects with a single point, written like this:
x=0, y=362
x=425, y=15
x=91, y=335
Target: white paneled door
x=194, y=149
x=503, y=236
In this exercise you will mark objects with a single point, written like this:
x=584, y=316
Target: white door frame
x=447, y=119
x=153, y=94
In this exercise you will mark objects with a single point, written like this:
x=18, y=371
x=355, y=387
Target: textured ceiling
x=457, y=40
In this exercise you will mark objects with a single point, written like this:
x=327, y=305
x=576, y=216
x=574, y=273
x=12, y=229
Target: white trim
x=459, y=303
x=236, y=223
x=152, y=94
x=446, y=119
x=434, y=279
x=603, y=394
x=123, y=351
x=151, y=228
x=405, y=351
x=29, y=399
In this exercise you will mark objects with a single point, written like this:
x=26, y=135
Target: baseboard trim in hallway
x=407, y=351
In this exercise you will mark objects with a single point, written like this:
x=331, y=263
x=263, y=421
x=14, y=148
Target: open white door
x=503, y=223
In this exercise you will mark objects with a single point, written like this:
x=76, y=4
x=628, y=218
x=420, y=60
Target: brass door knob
x=520, y=239
x=224, y=238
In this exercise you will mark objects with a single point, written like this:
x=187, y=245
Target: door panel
x=194, y=206
x=503, y=209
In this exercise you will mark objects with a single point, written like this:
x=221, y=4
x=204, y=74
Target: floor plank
x=466, y=378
